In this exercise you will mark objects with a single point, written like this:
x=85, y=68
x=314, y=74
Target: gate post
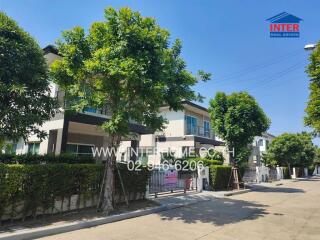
x=203, y=173
x=279, y=173
x=147, y=194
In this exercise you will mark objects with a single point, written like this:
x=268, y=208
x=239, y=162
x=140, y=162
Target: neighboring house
x=186, y=131
x=76, y=132
x=259, y=147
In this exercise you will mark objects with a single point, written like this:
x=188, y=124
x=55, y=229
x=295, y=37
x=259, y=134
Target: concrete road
x=290, y=211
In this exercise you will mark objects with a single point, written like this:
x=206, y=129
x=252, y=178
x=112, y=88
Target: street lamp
x=310, y=46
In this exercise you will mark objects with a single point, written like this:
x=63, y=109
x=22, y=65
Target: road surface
x=290, y=211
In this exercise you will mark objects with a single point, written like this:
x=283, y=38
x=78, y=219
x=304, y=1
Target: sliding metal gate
x=160, y=183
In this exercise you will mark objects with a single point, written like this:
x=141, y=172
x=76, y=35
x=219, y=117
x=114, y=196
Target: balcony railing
x=199, y=131
x=65, y=104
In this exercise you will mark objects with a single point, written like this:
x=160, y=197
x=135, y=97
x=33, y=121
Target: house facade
x=73, y=132
x=186, y=132
x=259, y=148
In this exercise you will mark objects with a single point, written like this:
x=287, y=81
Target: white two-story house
x=184, y=134
x=186, y=130
x=73, y=132
x=259, y=147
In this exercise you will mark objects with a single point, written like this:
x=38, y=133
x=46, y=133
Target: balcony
x=199, y=131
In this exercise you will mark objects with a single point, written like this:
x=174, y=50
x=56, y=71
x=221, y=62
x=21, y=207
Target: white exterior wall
x=175, y=147
x=22, y=147
x=147, y=140
x=176, y=123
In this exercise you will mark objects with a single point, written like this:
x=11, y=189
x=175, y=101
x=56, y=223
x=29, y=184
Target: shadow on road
x=217, y=211
x=310, y=179
x=278, y=190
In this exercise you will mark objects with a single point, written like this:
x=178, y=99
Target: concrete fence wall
x=75, y=202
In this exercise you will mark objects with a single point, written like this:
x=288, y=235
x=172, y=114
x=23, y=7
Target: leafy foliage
x=44, y=159
x=38, y=186
x=291, y=149
x=317, y=155
x=219, y=177
x=311, y=170
x=24, y=88
x=127, y=64
x=237, y=118
x=286, y=173
x=312, y=118
x=206, y=162
x=215, y=155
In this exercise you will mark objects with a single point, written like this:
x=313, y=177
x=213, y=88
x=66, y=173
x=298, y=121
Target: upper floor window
x=90, y=109
x=260, y=142
x=191, y=125
x=33, y=147
x=206, y=128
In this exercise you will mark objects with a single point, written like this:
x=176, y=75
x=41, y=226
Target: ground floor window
x=33, y=147
x=80, y=149
x=9, y=148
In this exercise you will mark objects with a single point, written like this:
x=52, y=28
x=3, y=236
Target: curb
x=53, y=230
x=237, y=192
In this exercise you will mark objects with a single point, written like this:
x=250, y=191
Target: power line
x=249, y=70
x=267, y=63
x=263, y=78
x=272, y=79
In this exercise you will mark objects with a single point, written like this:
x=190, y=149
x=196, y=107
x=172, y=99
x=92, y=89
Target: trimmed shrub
x=215, y=155
x=286, y=174
x=219, y=177
x=47, y=158
x=311, y=170
x=206, y=162
x=37, y=186
x=241, y=172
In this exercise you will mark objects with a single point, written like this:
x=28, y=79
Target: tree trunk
x=289, y=169
x=109, y=178
x=108, y=192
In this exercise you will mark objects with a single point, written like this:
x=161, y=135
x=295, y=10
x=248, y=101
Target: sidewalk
x=165, y=203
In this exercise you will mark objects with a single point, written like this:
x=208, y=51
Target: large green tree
x=291, y=149
x=312, y=118
x=309, y=150
x=25, y=102
x=128, y=64
x=237, y=118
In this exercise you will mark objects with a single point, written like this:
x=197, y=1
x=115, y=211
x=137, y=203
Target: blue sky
x=228, y=38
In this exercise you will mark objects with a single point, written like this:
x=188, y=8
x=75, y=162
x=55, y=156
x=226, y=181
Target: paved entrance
x=290, y=211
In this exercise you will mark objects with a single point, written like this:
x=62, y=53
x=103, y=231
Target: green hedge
x=38, y=186
x=48, y=158
x=219, y=177
x=286, y=174
x=311, y=170
x=206, y=162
